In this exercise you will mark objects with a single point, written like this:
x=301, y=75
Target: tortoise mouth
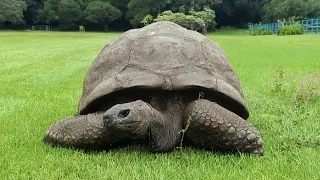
x=147, y=94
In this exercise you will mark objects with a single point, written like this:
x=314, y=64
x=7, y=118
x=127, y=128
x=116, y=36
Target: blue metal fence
x=310, y=25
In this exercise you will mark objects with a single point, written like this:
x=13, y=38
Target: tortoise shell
x=166, y=56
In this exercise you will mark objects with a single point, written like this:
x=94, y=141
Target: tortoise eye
x=124, y=113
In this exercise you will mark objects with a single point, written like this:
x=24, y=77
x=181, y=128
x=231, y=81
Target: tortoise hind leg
x=83, y=131
x=212, y=126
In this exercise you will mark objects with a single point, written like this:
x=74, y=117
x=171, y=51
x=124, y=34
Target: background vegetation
x=126, y=14
x=41, y=81
x=42, y=75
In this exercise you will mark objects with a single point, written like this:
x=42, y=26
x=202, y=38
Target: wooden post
x=82, y=29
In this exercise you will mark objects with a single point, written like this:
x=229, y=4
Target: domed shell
x=161, y=55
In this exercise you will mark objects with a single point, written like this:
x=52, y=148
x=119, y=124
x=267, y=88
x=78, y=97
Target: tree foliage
x=64, y=12
x=207, y=15
x=102, y=13
x=12, y=11
x=31, y=15
x=148, y=19
x=49, y=12
x=198, y=21
x=68, y=12
x=131, y=13
x=238, y=12
x=137, y=10
x=186, y=6
x=291, y=9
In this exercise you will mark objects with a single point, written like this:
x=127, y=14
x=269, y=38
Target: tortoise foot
x=212, y=126
x=84, y=132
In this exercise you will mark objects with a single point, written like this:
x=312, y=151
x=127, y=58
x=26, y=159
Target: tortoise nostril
x=124, y=113
x=106, y=116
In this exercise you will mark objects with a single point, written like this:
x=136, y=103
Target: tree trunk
x=106, y=26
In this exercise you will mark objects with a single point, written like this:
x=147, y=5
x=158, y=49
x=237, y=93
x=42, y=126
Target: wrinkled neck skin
x=165, y=123
x=155, y=118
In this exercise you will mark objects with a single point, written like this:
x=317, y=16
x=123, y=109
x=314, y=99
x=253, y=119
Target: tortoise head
x=128, y=120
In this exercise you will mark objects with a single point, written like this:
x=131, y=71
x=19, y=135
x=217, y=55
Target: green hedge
x=260, y=31
x=295, y=29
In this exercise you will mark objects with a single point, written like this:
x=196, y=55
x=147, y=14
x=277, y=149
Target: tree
x=31, y=15
x=68, y=13
x=121, y=23
x=291, y=9
x=49, y=12
x=102, y=13
x=12, y=11
x=137, y=10
x=239, y=12
x=120, y=4
x=62, y=12
x=186, y=6
x=235, y=13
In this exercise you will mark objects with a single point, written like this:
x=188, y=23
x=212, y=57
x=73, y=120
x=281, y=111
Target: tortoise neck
x=166, y=123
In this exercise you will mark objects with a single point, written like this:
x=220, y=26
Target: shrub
x=198, y=21
x=194, y=23
x=260, y=31
x=207, y=15
x=188, y=21
x=148, y=19
x=295, y=29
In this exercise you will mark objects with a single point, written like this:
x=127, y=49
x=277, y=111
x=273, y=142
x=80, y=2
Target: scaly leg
x=84, y=131
x=212, y=126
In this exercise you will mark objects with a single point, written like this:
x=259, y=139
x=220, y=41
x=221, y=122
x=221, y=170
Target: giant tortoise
x=161, y=86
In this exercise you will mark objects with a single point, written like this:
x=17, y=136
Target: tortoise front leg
x=212, y=126
x=83, y=131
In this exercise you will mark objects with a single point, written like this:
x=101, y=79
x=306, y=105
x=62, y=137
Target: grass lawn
x=41, y=75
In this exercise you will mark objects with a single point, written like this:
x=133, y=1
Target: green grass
x=41, y=80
